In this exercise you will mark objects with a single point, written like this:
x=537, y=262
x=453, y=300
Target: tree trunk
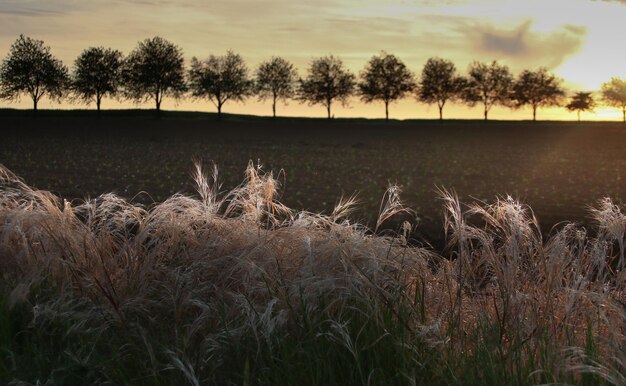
x=387, y=111
x=219, y=111
x=98, y=100
x=578, y=115
x=36, y=96
x=486, y=113
x=157, y=99
x=441, y=113
x=328, y=109
x=274, y=108
x=534, y=113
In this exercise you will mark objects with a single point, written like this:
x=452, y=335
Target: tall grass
x=235, y=288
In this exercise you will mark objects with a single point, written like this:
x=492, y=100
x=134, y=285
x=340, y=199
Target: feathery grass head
x=194, y=288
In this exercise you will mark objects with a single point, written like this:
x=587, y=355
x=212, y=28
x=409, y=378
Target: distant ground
x=559, y=168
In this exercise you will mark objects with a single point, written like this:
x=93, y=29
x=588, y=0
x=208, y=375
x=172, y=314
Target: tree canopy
x=581, y=101
x=220, y=79
x=276, y=80
x=537, y=89
x=440, y=83
x=489, y=84
x=97, y=73
x=327, y=80
x=385, y=78
x=156, y=69
x=153, y=70
x=30, y=69
x=614, y=94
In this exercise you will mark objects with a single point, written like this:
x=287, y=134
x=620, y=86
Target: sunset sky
x=580, y=40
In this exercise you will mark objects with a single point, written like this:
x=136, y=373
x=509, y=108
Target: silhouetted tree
x=385, y=78
x=97, y=74
x=154, y=69
x=31, y=69
x=220, y=79
x=581, y=101
x=489, y=84
x=327, y=80
x=440, y=83
x=614, y=94
x=276, y=79
x=537, y=89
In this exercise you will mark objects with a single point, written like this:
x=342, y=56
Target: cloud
x=523, y=46
x=13, y=8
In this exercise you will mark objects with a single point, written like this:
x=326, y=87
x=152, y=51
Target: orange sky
x=577, y=39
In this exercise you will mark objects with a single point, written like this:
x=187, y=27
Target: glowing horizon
x=567, y=36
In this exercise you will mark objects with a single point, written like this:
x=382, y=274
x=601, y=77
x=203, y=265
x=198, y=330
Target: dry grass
x=237, y=288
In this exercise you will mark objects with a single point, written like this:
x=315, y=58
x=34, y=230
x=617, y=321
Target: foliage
x=236, y=288
x=537, y=89
x=440, y=83
x=614, y=94
x=154, y=69
x=97, y=73
x=489, y=84
x=581, y=101
x=31, y=69
x=327, y=80
x=385, y=78
x=220, y=79
x=276, y=80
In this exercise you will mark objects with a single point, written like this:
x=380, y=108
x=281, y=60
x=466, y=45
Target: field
x=228, y=286
x=558, y=168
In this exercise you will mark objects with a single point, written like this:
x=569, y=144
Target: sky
x=579, y=40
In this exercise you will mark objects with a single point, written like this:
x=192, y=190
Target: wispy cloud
x=613, y=1
x=524, y=47
x=31, y=9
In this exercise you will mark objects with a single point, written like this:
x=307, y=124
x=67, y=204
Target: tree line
x=155, y=69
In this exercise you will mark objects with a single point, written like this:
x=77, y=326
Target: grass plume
x=236, y=288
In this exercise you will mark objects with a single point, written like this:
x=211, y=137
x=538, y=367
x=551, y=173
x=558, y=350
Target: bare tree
x=327, y=80
x=154, y=69
x=31, y=69
x=97, y=72
x=276, y=80
x=387, y=79
x=537, y=89
x=581, y=101
x=614, y=94
x=440, y=83
x=488, y=84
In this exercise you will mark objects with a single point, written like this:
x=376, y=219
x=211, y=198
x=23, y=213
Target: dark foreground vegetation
x=236, y=288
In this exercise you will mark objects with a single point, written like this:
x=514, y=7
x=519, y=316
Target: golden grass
x=235, y=262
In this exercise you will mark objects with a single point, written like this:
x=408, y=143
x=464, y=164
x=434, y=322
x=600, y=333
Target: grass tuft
x=236, y=288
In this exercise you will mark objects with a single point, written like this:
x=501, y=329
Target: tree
x=385, y=78
x=537, y=89
x=276, y=79
x=327, y=80
x=220, y=78
x=614, y=94
x=440, y=83
x=31, y=69
x=581, y=101
x=489, y=84
x=97, y=74
x=154, y=69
